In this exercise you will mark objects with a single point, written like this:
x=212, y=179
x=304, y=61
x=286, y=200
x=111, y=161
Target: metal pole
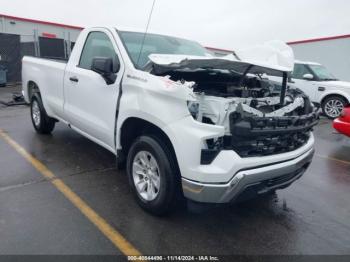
x=36, y=43
x=284, y=88
x=69, y=45
x=3, y=25
x=65, y=45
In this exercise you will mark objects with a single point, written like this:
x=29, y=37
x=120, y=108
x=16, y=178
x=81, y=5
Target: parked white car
x=184, y=122
x=322, y=87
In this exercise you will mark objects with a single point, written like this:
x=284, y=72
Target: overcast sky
x=228, y=24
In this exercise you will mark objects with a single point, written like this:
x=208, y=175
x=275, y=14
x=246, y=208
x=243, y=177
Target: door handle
x=74, y=79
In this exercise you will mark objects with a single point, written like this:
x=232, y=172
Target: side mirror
x=105, y=67
x=308, y=77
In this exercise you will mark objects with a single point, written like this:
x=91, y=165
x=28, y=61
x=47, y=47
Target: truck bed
x=48, y=74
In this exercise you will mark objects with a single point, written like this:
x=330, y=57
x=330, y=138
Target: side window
x=299, y=71
x=97, y=44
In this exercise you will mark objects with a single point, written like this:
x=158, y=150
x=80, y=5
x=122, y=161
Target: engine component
x=259, y=119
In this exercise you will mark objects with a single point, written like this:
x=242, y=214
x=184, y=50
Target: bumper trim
x=291, y=170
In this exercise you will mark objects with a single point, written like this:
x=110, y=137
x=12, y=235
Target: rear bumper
x=342, y=127
x=249, y=182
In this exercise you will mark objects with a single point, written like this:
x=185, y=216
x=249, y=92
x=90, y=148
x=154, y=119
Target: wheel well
x=32, y=89
x=134, y=127
x=334, y=95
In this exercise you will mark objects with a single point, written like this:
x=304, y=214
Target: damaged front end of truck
x=260, y=117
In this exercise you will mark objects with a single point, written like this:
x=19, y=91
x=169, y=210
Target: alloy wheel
x=146, y=175
x=36, y=113
x=334, y=107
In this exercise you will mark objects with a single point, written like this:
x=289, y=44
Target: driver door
x=91, y=103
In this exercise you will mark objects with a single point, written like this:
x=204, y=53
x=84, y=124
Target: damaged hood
x=272, y=58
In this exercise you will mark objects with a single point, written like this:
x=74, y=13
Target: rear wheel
x=42, y=123
x=332, y=106
x=152, y=174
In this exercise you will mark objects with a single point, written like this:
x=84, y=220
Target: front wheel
x=332, y=106
x=42, y=123
x=152, y=174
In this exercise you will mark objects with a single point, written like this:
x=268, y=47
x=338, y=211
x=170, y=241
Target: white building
x=30, y=28
x=332, y=52
x=22, y=36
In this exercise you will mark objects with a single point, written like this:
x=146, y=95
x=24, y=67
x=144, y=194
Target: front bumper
x=249, y=182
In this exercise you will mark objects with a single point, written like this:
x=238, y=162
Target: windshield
x=322, y=73
x=158, y=44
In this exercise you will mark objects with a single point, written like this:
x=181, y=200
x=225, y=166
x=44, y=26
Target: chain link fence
x=13, y=47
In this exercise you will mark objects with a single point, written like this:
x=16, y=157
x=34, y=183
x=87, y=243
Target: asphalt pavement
x=310, y=217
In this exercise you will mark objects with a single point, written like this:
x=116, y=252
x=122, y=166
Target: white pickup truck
x=185, y=123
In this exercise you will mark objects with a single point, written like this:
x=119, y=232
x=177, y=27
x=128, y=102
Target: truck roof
x=306, y=62
x=155, y=32
x=132, y=29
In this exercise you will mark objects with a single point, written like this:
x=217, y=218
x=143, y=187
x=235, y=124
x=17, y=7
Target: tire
x=42, y=123
x=332, y=106
x=160, y=170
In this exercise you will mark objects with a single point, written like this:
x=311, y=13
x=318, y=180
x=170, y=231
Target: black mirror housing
x=105, y=67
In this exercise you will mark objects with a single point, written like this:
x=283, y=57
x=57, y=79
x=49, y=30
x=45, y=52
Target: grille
x=261, y=136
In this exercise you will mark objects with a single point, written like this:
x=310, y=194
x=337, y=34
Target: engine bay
x=260, y=117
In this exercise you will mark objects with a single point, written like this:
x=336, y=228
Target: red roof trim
x=318, y=39
x=48, y=35
x=41, y=22
x=76, y=27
